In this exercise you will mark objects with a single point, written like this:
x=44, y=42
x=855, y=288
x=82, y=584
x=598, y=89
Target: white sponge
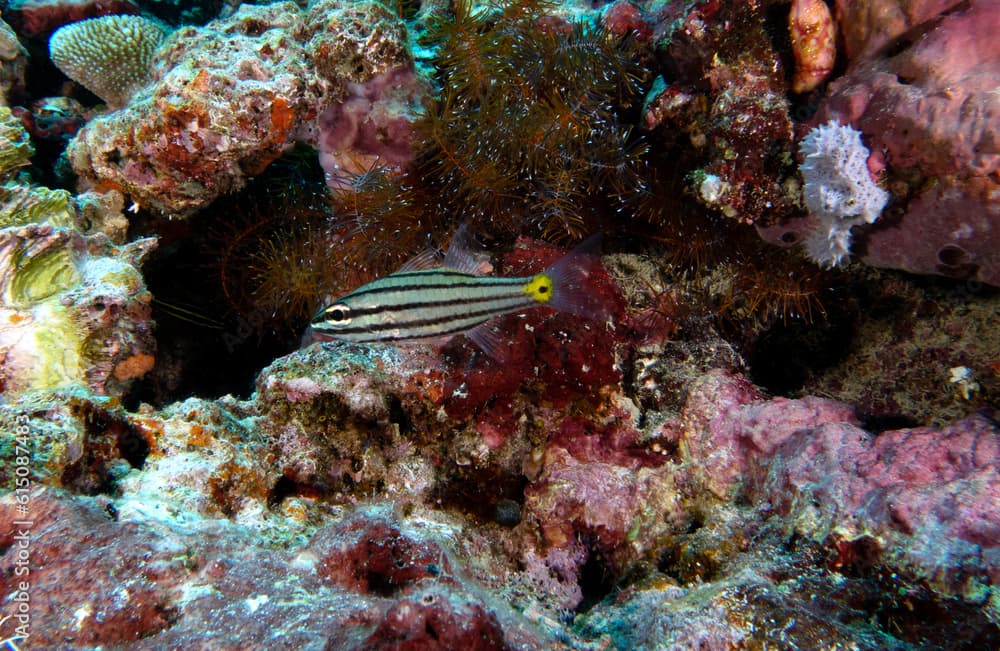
x=839, y=191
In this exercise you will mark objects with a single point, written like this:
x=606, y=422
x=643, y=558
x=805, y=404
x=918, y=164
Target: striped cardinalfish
x=423, y=303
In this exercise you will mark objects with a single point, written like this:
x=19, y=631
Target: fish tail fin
x=572, y=289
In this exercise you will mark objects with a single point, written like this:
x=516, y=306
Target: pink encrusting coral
x=371, y=127
x=230, y=97
x=926, y=497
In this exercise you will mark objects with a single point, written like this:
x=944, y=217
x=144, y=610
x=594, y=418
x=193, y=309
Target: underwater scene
x=499, y=325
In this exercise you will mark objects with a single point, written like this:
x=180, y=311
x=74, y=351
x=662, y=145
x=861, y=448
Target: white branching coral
x=839, y=191
x=110, y=56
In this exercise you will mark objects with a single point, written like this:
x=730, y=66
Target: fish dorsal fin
x=423, y=261
x=464, y=253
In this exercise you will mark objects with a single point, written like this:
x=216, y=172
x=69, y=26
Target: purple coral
x=839, y=191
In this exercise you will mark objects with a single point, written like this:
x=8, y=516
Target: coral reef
x=749, y=451
x=52, y=118
x=880, y=373
x=75, y=311
x=937, y=162
x=20, y=201
x=23, y=202
x=372, y=581
x=229, y=98
x=928, y=109
x=869, y=28
x=80, y=442
x=110, y=56
x=366, y=510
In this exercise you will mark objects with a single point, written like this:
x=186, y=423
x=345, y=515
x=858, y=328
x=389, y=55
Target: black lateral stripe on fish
x=426, y=304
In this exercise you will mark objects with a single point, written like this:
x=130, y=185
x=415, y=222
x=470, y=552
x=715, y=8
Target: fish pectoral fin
x=489, y=340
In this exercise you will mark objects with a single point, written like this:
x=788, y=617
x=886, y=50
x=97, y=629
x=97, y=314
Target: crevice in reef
x=221, y=311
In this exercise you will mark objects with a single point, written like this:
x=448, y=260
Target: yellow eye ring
x=539, y=288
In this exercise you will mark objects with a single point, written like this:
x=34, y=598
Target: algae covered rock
x=73, y=310
x=22, y=202
x=68, y=438
x=13, y=62
x=15, y=145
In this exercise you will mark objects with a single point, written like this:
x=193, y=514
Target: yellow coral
x=110, y=56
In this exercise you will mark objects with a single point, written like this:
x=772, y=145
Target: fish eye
x=338, y=314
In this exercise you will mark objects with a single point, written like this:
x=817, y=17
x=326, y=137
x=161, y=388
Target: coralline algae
x=226, y=483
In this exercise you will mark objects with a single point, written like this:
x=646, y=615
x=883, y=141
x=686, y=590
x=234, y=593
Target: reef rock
x=728, y=95
x=930, y=112
x=68, y=438
x=13, y=62
x=371, y=581
x=73, y=310
x=228, y=98
x=381, y=518
x=922, y=501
